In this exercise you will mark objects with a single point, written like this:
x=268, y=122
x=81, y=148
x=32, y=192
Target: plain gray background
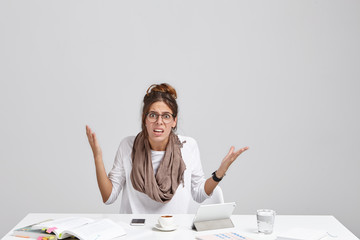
x=279, y=76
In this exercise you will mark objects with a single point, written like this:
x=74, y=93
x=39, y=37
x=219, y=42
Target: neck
x=161, y=146
x=158, y=146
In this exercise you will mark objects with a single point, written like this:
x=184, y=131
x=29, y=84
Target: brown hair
x=159, y=93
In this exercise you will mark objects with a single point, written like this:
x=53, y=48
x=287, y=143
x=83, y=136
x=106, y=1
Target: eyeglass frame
x=158, y=115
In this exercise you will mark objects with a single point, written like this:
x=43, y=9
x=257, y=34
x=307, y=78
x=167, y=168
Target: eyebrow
x=160, y=113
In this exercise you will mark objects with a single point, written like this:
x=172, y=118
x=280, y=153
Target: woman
x=157, y=171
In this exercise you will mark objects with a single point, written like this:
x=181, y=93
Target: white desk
x=244, y=224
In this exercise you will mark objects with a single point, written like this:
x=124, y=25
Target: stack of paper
x=302, y=234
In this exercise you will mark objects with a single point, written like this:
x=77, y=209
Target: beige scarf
x=169, y=175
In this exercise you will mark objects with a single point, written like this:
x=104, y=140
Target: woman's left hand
x=228, y=160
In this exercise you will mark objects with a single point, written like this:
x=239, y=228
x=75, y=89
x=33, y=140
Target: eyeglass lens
x=153, y=117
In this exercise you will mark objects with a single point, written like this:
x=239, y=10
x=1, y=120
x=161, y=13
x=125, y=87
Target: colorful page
x=219, y=236
x=58, y=226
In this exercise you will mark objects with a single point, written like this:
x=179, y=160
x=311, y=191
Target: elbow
x=105, y=199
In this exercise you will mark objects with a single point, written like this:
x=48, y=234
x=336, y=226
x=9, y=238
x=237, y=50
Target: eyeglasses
x=165, y=117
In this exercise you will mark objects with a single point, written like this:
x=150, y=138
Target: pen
x=22, y=236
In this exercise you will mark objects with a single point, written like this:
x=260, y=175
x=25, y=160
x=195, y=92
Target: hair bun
x=164, y=88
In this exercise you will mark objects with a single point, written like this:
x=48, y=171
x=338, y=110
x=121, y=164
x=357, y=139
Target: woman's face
x=159, y=131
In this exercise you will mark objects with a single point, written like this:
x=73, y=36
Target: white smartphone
x=137, y=222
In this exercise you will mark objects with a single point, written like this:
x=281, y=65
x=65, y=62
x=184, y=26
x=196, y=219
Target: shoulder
x=127, y=143
x=189, y=142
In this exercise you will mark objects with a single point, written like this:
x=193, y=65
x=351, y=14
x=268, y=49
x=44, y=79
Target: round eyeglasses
x=165, y=117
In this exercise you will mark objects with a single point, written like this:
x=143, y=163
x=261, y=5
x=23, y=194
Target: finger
x=95, y=141
x=88, y=130
x=89, y=135
x=241, y=150
x=236, y=154
x=230, y=151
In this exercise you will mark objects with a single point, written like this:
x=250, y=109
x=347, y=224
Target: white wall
x=279, y=76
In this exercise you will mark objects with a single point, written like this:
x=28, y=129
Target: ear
x=174, y=123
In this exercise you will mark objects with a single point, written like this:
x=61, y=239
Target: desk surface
x=244, y=224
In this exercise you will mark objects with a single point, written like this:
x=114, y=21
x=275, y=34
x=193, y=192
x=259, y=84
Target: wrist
x=215, y=178
x=98, y=157
x=220, y=173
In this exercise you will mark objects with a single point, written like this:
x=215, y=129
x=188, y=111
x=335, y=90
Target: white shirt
x=156, y=158
x=134, y=201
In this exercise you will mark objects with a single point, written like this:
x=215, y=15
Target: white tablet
x=214, y=212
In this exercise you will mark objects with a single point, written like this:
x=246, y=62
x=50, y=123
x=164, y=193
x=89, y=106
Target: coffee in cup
x=166, y=221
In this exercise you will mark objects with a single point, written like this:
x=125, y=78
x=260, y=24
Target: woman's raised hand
x=210, y=184
x=104, y=182
x=229, y=159
x=93, y=142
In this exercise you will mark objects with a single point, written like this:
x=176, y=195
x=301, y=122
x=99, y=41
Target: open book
x=29, y=232
x=82, y=228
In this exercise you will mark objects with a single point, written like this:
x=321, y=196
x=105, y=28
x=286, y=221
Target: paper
x=302, y=234
x=228, y=236
x=83, y=228
x=50, y=230
x=102, y=229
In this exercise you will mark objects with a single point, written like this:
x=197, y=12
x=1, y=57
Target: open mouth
x=158, y=131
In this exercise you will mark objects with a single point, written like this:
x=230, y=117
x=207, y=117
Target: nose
x=159, y=120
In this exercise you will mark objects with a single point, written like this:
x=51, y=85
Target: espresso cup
x=166, y=221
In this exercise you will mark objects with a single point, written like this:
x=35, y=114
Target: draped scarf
x=161, y=186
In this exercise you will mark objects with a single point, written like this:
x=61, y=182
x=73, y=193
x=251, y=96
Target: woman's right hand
x=93, y=142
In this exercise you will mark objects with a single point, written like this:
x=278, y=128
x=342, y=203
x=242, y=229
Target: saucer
x=166, y=229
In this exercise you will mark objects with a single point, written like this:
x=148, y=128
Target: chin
x=159, y=139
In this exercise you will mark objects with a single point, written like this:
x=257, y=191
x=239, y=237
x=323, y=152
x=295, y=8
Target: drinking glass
x=265, y=220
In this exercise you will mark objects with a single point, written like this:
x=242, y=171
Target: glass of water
x=265, y=220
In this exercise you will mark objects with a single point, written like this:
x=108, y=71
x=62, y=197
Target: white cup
x=166, y=221
x=265, y=220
